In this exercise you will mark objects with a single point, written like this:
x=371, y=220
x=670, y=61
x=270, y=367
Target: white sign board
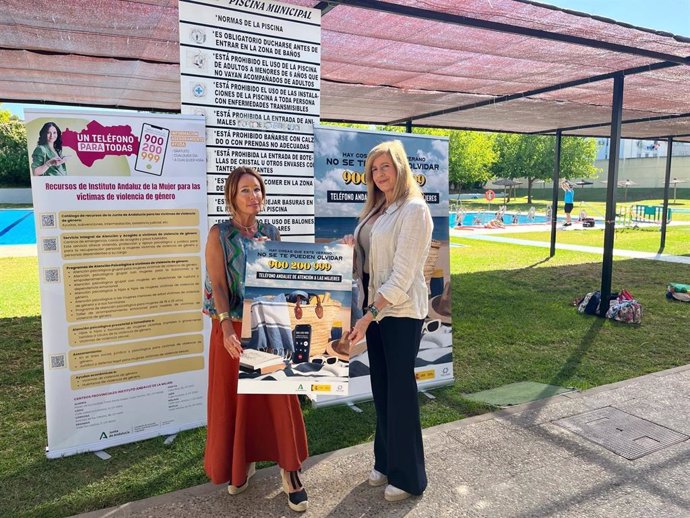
x=253, y=70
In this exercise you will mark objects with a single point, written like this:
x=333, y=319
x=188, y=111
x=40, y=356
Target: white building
x=644, y=162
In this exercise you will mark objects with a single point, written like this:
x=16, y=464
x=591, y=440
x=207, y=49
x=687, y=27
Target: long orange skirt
x=246, y=428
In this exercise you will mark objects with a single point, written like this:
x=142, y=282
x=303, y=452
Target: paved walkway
x=512, y=463
x=579, y=248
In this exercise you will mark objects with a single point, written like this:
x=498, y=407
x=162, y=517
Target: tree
x=532, y=157
x=471, y=157
x=14, y=161
x=470, y=154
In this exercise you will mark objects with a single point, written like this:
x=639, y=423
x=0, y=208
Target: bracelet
x=223, y=316
x=373, y=310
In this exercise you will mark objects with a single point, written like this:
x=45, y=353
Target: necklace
x=248, y=229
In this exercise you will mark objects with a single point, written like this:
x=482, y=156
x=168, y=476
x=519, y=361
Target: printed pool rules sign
x=252, y=68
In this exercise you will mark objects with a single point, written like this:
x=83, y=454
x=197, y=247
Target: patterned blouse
x=233, y=244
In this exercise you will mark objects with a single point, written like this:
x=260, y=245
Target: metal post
x=408, y=126
x=612, y=182
x=554, y=197
x=667, y=181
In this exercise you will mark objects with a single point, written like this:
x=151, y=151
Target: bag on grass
x=625, y=295
x=590, y=303
x=627, y=311
x=677, y=291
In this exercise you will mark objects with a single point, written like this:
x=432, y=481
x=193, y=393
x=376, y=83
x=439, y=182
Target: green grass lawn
x=513, y=322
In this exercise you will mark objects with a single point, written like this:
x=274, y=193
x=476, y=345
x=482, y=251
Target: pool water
x=17, y=227
x=482, y=218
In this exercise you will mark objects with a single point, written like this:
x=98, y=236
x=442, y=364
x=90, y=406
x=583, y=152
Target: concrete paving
x=515, y=462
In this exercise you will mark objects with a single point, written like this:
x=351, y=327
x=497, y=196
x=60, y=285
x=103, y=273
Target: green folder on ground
x=517, y=393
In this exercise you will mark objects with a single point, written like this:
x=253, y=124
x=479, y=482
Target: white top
x=400, y=240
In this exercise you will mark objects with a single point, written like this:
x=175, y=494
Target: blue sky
x=664, y=15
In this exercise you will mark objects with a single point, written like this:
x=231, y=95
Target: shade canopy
x=499, y=65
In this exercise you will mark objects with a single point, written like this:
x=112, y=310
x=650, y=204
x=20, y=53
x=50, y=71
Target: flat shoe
x=297, y=500
x=376, y=478
x=394, y=494
x=235, y=490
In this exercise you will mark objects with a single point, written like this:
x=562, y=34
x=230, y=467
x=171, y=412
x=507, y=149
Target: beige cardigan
x=400, y=240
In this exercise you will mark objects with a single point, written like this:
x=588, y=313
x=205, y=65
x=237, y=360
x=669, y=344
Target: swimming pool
x=17, y=227
x=475, y=219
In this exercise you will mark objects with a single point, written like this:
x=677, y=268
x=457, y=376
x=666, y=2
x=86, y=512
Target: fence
x=649, y=214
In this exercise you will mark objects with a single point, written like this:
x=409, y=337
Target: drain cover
x=622, y=433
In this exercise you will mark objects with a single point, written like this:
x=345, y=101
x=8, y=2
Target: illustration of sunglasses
x=324, y=360
x=433, y=326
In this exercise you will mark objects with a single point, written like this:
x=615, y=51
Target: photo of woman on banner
x=47, y=158
x=244, y=428
x=392, y=241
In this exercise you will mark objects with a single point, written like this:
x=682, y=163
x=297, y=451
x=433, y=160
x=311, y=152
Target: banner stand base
x=427, y=394
x=169, y=439
x=354, y=407
x=102, y=454
x=351, y=400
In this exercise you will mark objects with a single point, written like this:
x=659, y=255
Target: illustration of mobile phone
x=153, y=143
x=302, y=339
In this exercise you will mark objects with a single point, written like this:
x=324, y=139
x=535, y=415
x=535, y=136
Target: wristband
x=373, y=310
x=223, y=316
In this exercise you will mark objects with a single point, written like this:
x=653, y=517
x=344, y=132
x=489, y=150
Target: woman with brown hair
x=244, y=428
x=47, y=158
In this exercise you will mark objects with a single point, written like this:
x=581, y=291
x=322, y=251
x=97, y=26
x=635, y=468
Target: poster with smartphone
x=121, y=229
x=299, y=299
x=340, y=192
x=153, y=144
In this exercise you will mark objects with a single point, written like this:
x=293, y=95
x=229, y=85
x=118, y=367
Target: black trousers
x=393, y=344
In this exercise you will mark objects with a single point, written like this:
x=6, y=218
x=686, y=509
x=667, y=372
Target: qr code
x=50, y=244
x=48, y=220
x=57, y=361
x=52, y=274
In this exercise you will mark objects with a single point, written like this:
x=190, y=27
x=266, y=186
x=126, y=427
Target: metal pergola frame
x=661, y=61
x=616, y=122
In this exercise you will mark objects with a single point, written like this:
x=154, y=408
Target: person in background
x=244, y=428
x=569, y=200
x=47, y=158
x=391, y=243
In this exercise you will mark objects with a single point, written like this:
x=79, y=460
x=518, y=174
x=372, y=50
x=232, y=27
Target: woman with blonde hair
x=391, y=243
x=244, y=428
